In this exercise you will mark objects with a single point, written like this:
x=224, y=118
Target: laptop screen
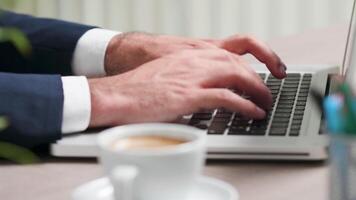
x=349, y=64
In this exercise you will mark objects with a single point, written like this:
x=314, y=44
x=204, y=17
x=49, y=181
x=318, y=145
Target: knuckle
x=250, y=107
x=224, y=95
x=225, y=55
x=249, y=39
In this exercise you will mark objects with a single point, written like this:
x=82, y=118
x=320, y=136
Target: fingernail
x=260, y=113
x=283, y=68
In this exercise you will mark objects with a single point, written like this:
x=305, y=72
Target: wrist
x=107, y=103
x=94, y=99
x=113, y=47
x=98, y=103
x=128, y=51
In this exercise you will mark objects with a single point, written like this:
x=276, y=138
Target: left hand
x=128, y=51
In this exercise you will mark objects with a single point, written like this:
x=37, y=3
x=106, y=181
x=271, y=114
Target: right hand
x=176, y=85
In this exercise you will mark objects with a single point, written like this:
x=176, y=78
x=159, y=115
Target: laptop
x=293, y=129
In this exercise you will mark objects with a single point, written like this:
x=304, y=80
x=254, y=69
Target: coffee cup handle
x=123, y=177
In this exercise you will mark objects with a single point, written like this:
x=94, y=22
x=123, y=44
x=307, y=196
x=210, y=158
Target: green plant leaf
x=4, y=123
x=17, y=154
x=17, y=38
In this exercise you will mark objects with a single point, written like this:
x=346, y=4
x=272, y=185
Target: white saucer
x=207, y=189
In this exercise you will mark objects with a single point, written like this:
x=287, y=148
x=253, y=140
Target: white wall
x=199, y=18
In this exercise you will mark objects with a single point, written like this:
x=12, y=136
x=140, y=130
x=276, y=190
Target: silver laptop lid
x=348, y=68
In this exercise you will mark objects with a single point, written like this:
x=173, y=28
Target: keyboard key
x=240, y=123
x=307, y=77
x=274, y=83
x=278, y=115
x=297, y=117
x=286, y=102
x=303, y=94
x=295, y=130
x=202, y=116
x=292, y=80
x=258, y=132
x=299, y=107
x=295, y=127
x=274, y=87
x=218, y=126
x=215, y=132
x=289, y=75
x=278, y=131
x=284, y=107
x=280, y=125
x=303, y=91
x=223, y=114
x=272, y=78
x=238, y=127
x=294, y=133
x=194, y=122
x=283, y=111
x=294, y=86
x=201, y=126
x=284, y=97
x=240, y=119
x=221, y=120
x=305, y=85
x=262, y=76
x=238, y=130
x=262, y=121
x=259, y=125
x=302, y=98
x=280, y=119
x=301, y=103
x=298, y=112
x=297, y=122
x=289, y=90
x=222, y=110
x=289, y=93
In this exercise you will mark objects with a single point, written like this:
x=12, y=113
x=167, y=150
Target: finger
x=254, y=86
x=254, y=89
x=247, y=66
x=238, y=75
x=224, y=98
x=247, y=44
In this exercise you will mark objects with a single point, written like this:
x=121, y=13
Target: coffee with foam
x=144, y=142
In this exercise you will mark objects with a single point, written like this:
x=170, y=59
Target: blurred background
x=266, y=19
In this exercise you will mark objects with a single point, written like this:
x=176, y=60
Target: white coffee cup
x=153, y=174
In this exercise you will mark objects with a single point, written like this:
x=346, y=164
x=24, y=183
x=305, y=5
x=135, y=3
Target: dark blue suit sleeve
x=34, y=106
x=53, y=43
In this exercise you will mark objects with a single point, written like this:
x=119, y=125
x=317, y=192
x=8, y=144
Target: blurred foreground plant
x=17, y=38
x=7, y=150
x=13, y=152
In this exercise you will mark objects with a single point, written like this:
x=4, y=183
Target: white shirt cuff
x=89, y=54
x=76, y=106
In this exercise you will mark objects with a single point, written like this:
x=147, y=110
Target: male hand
x=130, y=50
x=179, y=84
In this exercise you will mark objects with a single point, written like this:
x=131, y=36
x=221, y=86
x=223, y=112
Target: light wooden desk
x=56, y=178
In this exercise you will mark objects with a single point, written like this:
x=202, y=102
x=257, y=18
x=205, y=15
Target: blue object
x=333, y=106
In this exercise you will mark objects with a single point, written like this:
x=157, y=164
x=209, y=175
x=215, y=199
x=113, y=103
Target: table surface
x=56, y=178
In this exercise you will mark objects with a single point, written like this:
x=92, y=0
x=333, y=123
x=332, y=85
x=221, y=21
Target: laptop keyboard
x=285, y=119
